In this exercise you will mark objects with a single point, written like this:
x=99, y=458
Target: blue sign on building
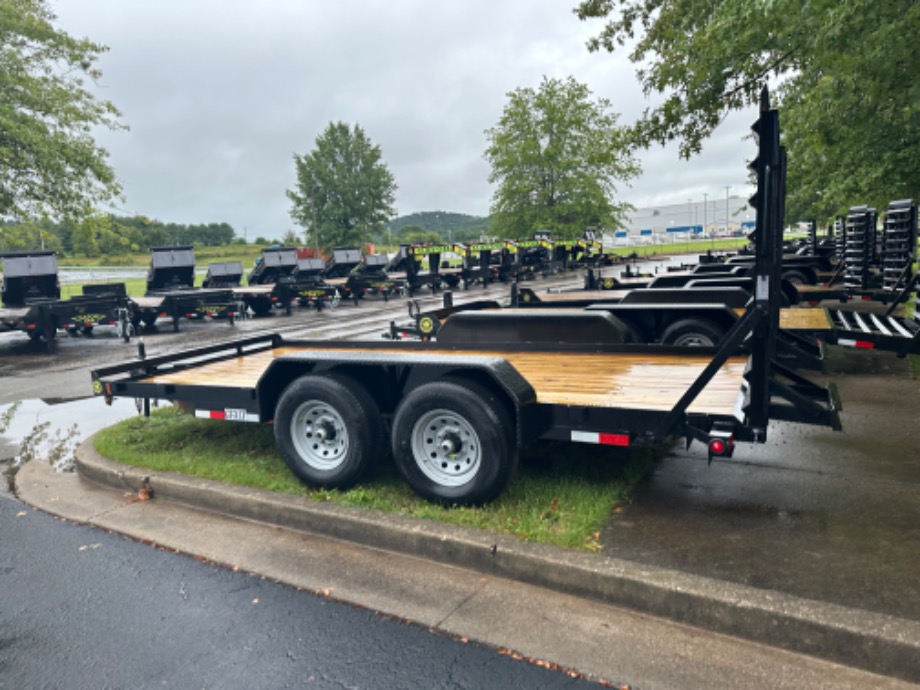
x=621, y=233
x=749, y=224
x=645, y=233
x=686, y=228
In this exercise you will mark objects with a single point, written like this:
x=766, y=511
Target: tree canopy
x=49, y=163
x=458, y=227
x=106, y=235
x=846, y=73
x=556, y=157
x=343, y=186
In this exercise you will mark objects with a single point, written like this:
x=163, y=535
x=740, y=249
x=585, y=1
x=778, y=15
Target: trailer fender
x=389, y=376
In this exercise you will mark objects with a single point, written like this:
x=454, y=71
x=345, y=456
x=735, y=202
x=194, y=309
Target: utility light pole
x=727, y=188
x=712, y=236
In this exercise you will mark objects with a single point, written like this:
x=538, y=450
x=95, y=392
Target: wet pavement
x=824, y=515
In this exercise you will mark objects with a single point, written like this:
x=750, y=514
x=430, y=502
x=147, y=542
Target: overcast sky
x=219, y=96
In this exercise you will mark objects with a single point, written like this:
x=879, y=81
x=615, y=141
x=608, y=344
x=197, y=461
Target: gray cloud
x=219, y=96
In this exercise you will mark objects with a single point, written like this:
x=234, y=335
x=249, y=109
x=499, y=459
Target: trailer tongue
x=458, y=414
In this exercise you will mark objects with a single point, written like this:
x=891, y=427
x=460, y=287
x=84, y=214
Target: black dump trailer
x=225, y=274
x=32, y=304
x=269, y=282
x=457, y=416
x=171, y=291
x=372, y=272
x=280, y=279
x=356, y=275
x=310, y=288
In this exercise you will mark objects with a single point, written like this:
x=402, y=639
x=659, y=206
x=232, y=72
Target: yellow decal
x=426, y=324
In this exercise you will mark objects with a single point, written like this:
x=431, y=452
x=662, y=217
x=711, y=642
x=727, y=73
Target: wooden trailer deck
x=641, y=381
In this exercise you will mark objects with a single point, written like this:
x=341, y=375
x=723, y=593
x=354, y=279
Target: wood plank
x=642, y=381
x=805, y=319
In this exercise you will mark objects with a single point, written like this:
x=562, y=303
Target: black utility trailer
x=31, y=297
x=458, y=415
x=171, y=291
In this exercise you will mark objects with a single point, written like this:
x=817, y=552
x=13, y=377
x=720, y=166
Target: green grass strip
x=563, y=493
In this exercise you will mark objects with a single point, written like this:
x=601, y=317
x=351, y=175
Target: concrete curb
x=871, y=641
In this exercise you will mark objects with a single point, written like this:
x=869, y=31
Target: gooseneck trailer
x=457, y=415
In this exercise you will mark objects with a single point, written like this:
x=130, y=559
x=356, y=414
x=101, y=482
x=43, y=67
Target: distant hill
x=457, y=226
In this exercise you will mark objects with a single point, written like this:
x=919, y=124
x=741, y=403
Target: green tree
x=343, y=186
x=419, y=236
x=847, y=84
x=84, y=239
x=556, y=156
x=49, y=162
x=28, y=236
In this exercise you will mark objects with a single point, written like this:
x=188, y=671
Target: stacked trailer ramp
x=459, y=415
x=873, y=266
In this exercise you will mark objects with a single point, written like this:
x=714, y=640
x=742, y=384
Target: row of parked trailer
x=280, y=279
x=458, y=403
x=699, y=305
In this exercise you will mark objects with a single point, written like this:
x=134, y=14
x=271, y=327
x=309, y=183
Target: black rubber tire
x=693, y=333
x=795, y=277
x=481, y=411
x=361, y=422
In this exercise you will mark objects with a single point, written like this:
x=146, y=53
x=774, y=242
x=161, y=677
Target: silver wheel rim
x=694, y=340
x=319, y=435
x=446, y=448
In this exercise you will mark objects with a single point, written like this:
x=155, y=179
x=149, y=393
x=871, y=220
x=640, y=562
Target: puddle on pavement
x=88, y=414
x=50, y=430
